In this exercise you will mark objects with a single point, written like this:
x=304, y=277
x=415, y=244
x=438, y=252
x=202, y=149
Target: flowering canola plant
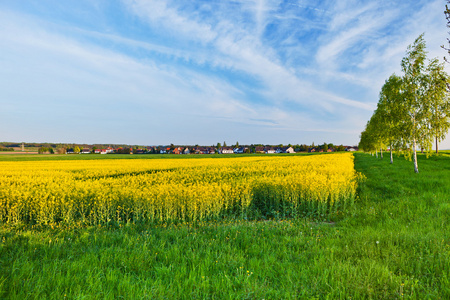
x=164, y=190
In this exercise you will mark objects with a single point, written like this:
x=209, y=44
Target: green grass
x=394, y=243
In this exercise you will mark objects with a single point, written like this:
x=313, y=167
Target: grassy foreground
x=394, y=243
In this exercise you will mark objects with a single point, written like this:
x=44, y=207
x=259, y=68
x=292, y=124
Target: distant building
x=227, y=150
x=285, y=149
x=270, y=150
x=177, y=150
x=239, y=150
x=259, y=149
x=348, y=148
x=288, y=150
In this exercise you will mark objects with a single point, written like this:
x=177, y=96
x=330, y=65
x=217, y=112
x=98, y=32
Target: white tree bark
x=392, y=160
x=416, y=167
x=437, y=150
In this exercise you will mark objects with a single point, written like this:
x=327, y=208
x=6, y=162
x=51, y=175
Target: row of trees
x=413, y=110
x=297, y=147
x=156, y=150
x=5, y=149
x=42, y=150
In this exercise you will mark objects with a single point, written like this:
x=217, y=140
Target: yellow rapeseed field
x=165, y=190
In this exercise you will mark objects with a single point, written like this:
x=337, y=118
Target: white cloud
x=158, y=13
x=240, y=50
x=61, y=72
x=285, y=67
x=353, y=26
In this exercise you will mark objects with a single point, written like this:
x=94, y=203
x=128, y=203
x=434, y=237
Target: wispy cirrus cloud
x=198, y=71
x=240, y=48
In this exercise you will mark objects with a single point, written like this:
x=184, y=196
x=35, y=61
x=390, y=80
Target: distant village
x=216, y=150
x=169, y=149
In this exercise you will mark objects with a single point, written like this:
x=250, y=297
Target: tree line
x=413, y=109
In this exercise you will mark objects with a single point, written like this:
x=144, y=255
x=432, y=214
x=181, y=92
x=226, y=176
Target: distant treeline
x=51, y=148
x=6, y=149
x=58, y=145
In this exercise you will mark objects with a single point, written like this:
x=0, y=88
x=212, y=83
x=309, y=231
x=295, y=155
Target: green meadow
x=394, y=243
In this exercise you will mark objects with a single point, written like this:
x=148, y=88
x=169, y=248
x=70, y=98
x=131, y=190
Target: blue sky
x=202, y=72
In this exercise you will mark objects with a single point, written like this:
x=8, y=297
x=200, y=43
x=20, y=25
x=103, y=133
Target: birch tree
x=366, y=142
x=390, y=110
x=438, y=100
x=376, y=129
x=414, y=98
x=369, y=137
x=447, y=16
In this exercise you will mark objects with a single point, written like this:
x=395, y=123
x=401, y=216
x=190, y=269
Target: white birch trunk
x=392, y=159
x=437, y=151
x=416, y=167
x=381, y=153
